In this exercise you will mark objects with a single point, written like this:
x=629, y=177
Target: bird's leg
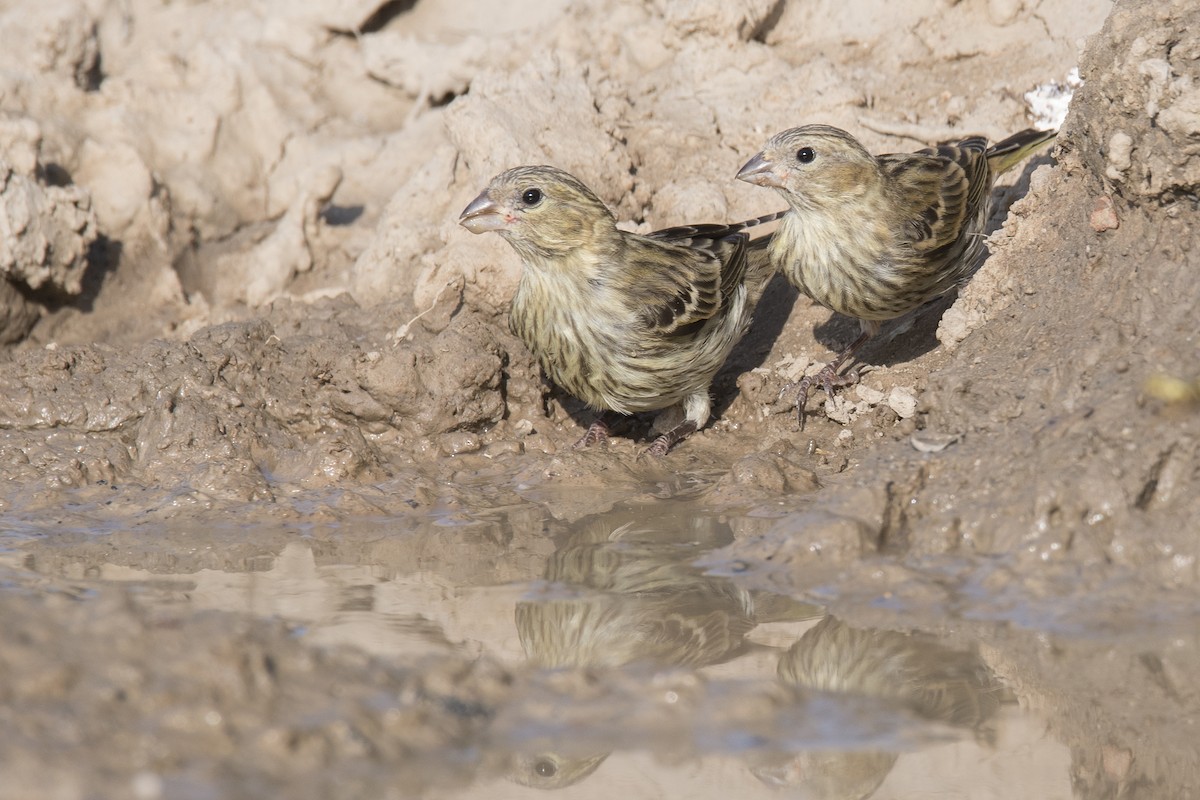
x=597, y=432
x=662, y=445
x=696, y=410
x=828, y=377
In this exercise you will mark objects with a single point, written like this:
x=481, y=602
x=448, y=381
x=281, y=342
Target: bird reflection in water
x=622, y=590
x=913, y=671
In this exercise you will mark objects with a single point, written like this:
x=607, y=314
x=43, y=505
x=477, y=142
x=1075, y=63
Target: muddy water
x=639, y=655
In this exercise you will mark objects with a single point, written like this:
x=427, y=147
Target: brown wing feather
x=944, y=189
x=971, y=155
x=689, y=273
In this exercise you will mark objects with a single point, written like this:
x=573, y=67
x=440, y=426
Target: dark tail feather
x=679, y=233
x=1006, y=153
x=763, y=220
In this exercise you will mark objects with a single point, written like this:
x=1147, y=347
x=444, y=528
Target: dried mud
x=287, y=510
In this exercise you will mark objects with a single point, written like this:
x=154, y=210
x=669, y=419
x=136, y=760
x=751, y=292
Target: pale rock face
x=45, y=232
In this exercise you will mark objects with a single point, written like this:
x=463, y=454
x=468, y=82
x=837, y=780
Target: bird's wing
x=941, y=189
x=684, y=276
x=722, y=245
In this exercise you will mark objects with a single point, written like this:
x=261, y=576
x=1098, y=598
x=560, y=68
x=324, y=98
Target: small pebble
x=930, y=442
x=1120, y=150
x=504, y=447
x=903, y=402
x=1104, y=215
x=841, y=410
x=868, y=395
x=458, y=442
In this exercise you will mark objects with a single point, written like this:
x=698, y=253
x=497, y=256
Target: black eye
x=805, y=155
x=545, y=768
x=531, y=197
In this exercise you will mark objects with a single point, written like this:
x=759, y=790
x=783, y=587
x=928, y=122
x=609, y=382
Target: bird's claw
x=657, y=449
x=663, y=444
x=597, y=433
x=828, y=379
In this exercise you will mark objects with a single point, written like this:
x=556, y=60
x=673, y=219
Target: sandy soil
x=236, y=308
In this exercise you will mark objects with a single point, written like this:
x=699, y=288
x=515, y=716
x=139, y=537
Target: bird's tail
x=1007, y=153
x=759, y=267
x=763, y=220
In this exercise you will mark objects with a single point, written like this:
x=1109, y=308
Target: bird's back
x=651, y=326
x=943, y=192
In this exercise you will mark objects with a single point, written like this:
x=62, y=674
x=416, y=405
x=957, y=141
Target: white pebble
x=841, y=410
x=871, y=397
x=929, y=442
x=903, y=402
x=1120, y=149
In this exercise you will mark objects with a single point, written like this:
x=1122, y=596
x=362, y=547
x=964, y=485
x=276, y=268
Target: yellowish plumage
x=625, y=322
x=874, y=237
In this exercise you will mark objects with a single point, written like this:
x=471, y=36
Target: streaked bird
x=623, y=590
x=918, y=671
x=875, y=237
x=625, y=322
x=915, y=672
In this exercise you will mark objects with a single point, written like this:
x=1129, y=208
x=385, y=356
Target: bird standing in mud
x=627, y=323
x=875, y=237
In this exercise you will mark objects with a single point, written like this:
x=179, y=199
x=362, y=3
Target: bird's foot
x=828, y=379
x=663, y=444
x=597, y=433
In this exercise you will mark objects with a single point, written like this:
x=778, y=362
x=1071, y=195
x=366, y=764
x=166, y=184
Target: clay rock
x=422, y=69
x=45, y=232
x=259, y=273
x=346, y=16
x=20, y=143
x=56, y=38
x=410, y=227
x=746, y=19
x=452, y=382
x=17, y=315
x=513, y=118
x=1148, y=81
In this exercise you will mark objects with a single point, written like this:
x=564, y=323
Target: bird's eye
x=545, y=768
x=531, y=197
x=805, y=155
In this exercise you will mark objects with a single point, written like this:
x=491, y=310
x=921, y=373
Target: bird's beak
x=760, y=172
x=482, y=215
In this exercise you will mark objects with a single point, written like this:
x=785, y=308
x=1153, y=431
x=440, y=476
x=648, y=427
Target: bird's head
x=541, y=211
x=813, y=166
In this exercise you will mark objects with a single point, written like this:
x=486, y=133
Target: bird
x=915, y=672
x=623, y=589
x=636, y=597
x=625, y=322
x=877, y=236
